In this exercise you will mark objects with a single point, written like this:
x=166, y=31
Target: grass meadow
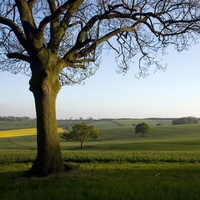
x=163, y=165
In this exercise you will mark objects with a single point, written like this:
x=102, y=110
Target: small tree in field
x=142, y=128
x=81, y=132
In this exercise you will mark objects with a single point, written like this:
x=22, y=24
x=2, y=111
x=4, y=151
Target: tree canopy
x=142, y=128
x=59, y=42
x=77, y=31
x=81, y=132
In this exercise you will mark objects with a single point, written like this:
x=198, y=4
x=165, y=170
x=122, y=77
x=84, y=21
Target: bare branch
x=112, y=47
x=58, y=31
x=26, y=16
x=19, y=56
x=54, y=15
x=31, y=3
x=19, y=34
x=74, y=31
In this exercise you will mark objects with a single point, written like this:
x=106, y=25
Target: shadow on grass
x=104, y=181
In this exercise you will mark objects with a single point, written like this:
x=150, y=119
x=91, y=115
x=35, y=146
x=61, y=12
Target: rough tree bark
x=45, y=86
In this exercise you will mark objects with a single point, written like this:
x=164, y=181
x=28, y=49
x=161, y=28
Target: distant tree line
x=12, y=118
x=185, y=120
x=158, y=118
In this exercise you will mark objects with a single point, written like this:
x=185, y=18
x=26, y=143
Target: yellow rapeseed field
x=21, y=132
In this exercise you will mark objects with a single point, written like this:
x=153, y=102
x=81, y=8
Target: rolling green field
x=165, y=164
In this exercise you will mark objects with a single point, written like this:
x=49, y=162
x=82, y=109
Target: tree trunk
x=45, y=87
x=82, y=144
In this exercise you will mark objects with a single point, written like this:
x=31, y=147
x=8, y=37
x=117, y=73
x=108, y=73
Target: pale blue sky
x=107, y=94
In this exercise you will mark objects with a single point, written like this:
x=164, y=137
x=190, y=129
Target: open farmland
x=19, y=138
x=118, y=137
x=20, y=132
x=13, y=125
x=165, y=164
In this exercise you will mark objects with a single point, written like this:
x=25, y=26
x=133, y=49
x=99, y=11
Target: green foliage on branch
x=185, y=120
x=142, y=128
x=81, y=132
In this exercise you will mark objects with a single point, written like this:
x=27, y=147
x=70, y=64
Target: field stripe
x=21, y=132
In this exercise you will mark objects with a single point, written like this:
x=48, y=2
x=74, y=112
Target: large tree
x=59, y=42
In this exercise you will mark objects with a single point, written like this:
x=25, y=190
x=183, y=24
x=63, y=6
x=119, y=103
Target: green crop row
x=132, y=156
x=107, y=156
